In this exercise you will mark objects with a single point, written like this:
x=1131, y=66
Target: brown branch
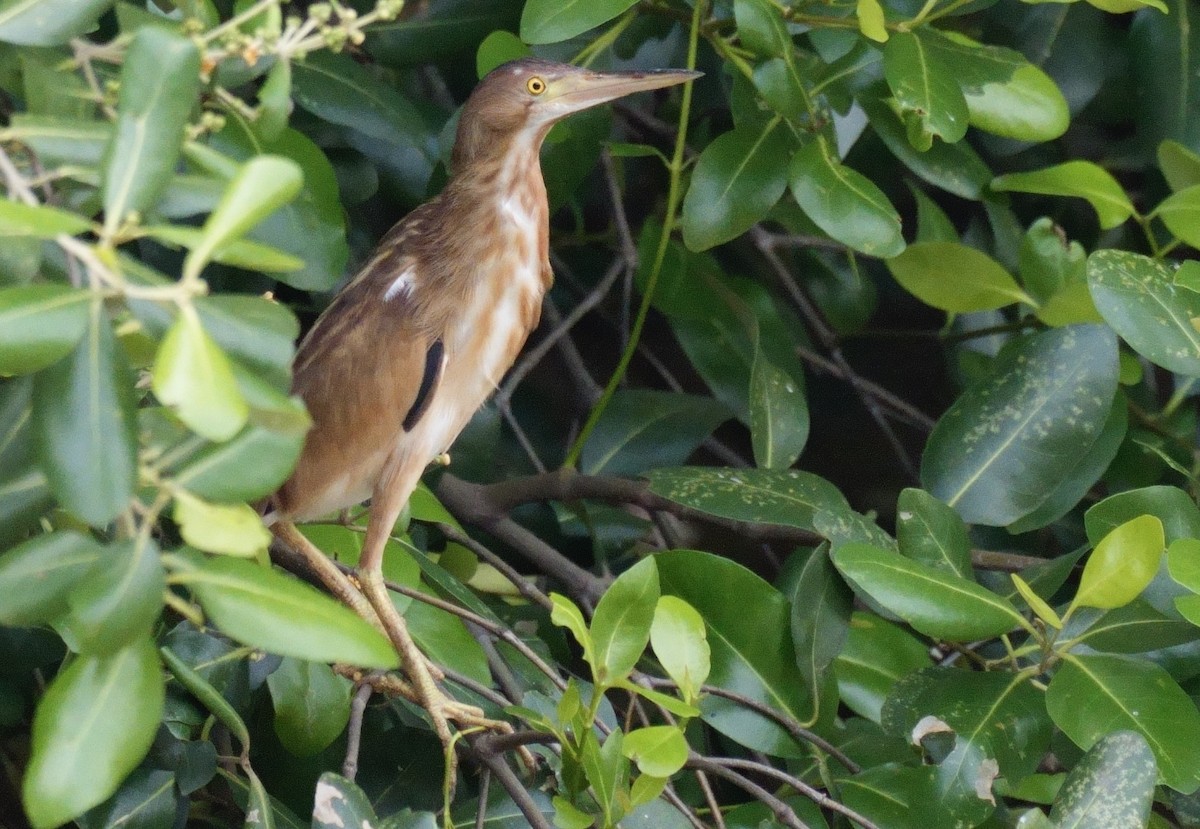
x=816, y=795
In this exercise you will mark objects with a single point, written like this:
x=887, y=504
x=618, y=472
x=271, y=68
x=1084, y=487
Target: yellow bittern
x=408, y=351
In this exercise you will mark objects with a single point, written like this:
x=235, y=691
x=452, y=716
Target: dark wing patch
x=429, y=381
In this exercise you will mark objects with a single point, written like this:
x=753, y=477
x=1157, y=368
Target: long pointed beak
x=587, y=89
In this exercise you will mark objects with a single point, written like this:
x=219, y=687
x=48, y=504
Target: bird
x=415, y=343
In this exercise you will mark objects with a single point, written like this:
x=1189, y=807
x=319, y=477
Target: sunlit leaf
x=1081, y=179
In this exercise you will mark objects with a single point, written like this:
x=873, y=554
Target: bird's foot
x=424, y=676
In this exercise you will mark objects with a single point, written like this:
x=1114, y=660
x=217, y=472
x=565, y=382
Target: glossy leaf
x=1036, y=603
x=1113, y=785
x=261, y=185
x=934, y=602
x=193, y=376
x=92, y=727
x=1006, y=94
x=120, y=601
x=876, y=655
x=778, y=415
x=232, y=529
x=737, y=179
x=955, y=168
x=84, y=425
x=160, y=83
x=249, y=466
x=642, y=429
x=1183, y=562
x=1122, y=564
x=871, y=21
x=1081, y=179
x=995, y=716
x=820, y=618
x=1048, y=261
x=550, y=21
x=312, y=705
x=930, y=532
x=206, y=693
x=761, y=28
x=38, y=221
x=1129, y=694
x=658, y=750
x=1180, y=166
x=843, y=202
x=788, y=498
x=266, y=609
x=147, y=799
x=751, y=648
x=680, y=643
x=340, y=803
x=48, y=22
x=1138, y=297
x=621, y=624
x=1178, y=512
x=39, y=325
x=1180, y=212
x=926, y=92
x=1012, y=437
x=36, y=576
x=954, y=277
x=241, y=253
x=1137, y=628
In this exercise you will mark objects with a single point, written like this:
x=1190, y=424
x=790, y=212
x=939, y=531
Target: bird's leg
x=386, y=504
x=335, y=581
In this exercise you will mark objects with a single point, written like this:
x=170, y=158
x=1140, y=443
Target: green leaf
x=737, y=179
x=240, y=253
x=658, y=750
x=85, y=425
x=680, y=643
x=778, y=415
x=312, y=227
x=207, y=694
x=39, y=325
x=931, y=532
x=193, y=376
x=1010, y=439
x=843, y=202
x=954, y=277
x=876, y=655
x=871, y=21
x=1006, y=94
x=121, y=599
x=761, y=28
x=35, y=577
x=38, y=221
x=1180, y=212
x=820, y=616
x=275, y=101
x=1180, y=165
x=761, y=496
x=994, y=715
x=933, y=601
x=1081, y=179
x=1048, y=261
x=147, y=800
x=1124, y=693
x=1178, y=512
x=1122, y=564
x=312, y=705
x=955, y=168
x=1138, y=297
x=927, y=94
x=1036, y=603
x=621, y=623
x=48, y=22
x=1137, y=628
x=262, y=185
x=266, y=609
x=1113, y=785
x=551, y=21
x=751, y=647
x=499, y=48
x=645, y=428
x=340, y=803
x=231, y=529
x=92, y=727
x=565, y=613
x=933, y=225
x=160, y=84
x=251, y=465
x=1183, y=562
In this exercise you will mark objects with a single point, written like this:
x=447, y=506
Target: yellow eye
x=536, y=86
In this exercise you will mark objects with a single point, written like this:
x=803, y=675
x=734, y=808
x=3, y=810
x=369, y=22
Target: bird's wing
x=366, y=371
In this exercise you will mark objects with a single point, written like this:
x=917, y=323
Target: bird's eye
x=536, y=86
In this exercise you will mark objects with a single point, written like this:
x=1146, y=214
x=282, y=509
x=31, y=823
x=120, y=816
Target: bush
x=935, y=256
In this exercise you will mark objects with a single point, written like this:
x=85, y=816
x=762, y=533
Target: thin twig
x=816, y=795
x=358, y=705
x=783, y=812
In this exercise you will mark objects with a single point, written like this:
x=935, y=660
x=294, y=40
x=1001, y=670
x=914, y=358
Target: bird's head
x=522, y=99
